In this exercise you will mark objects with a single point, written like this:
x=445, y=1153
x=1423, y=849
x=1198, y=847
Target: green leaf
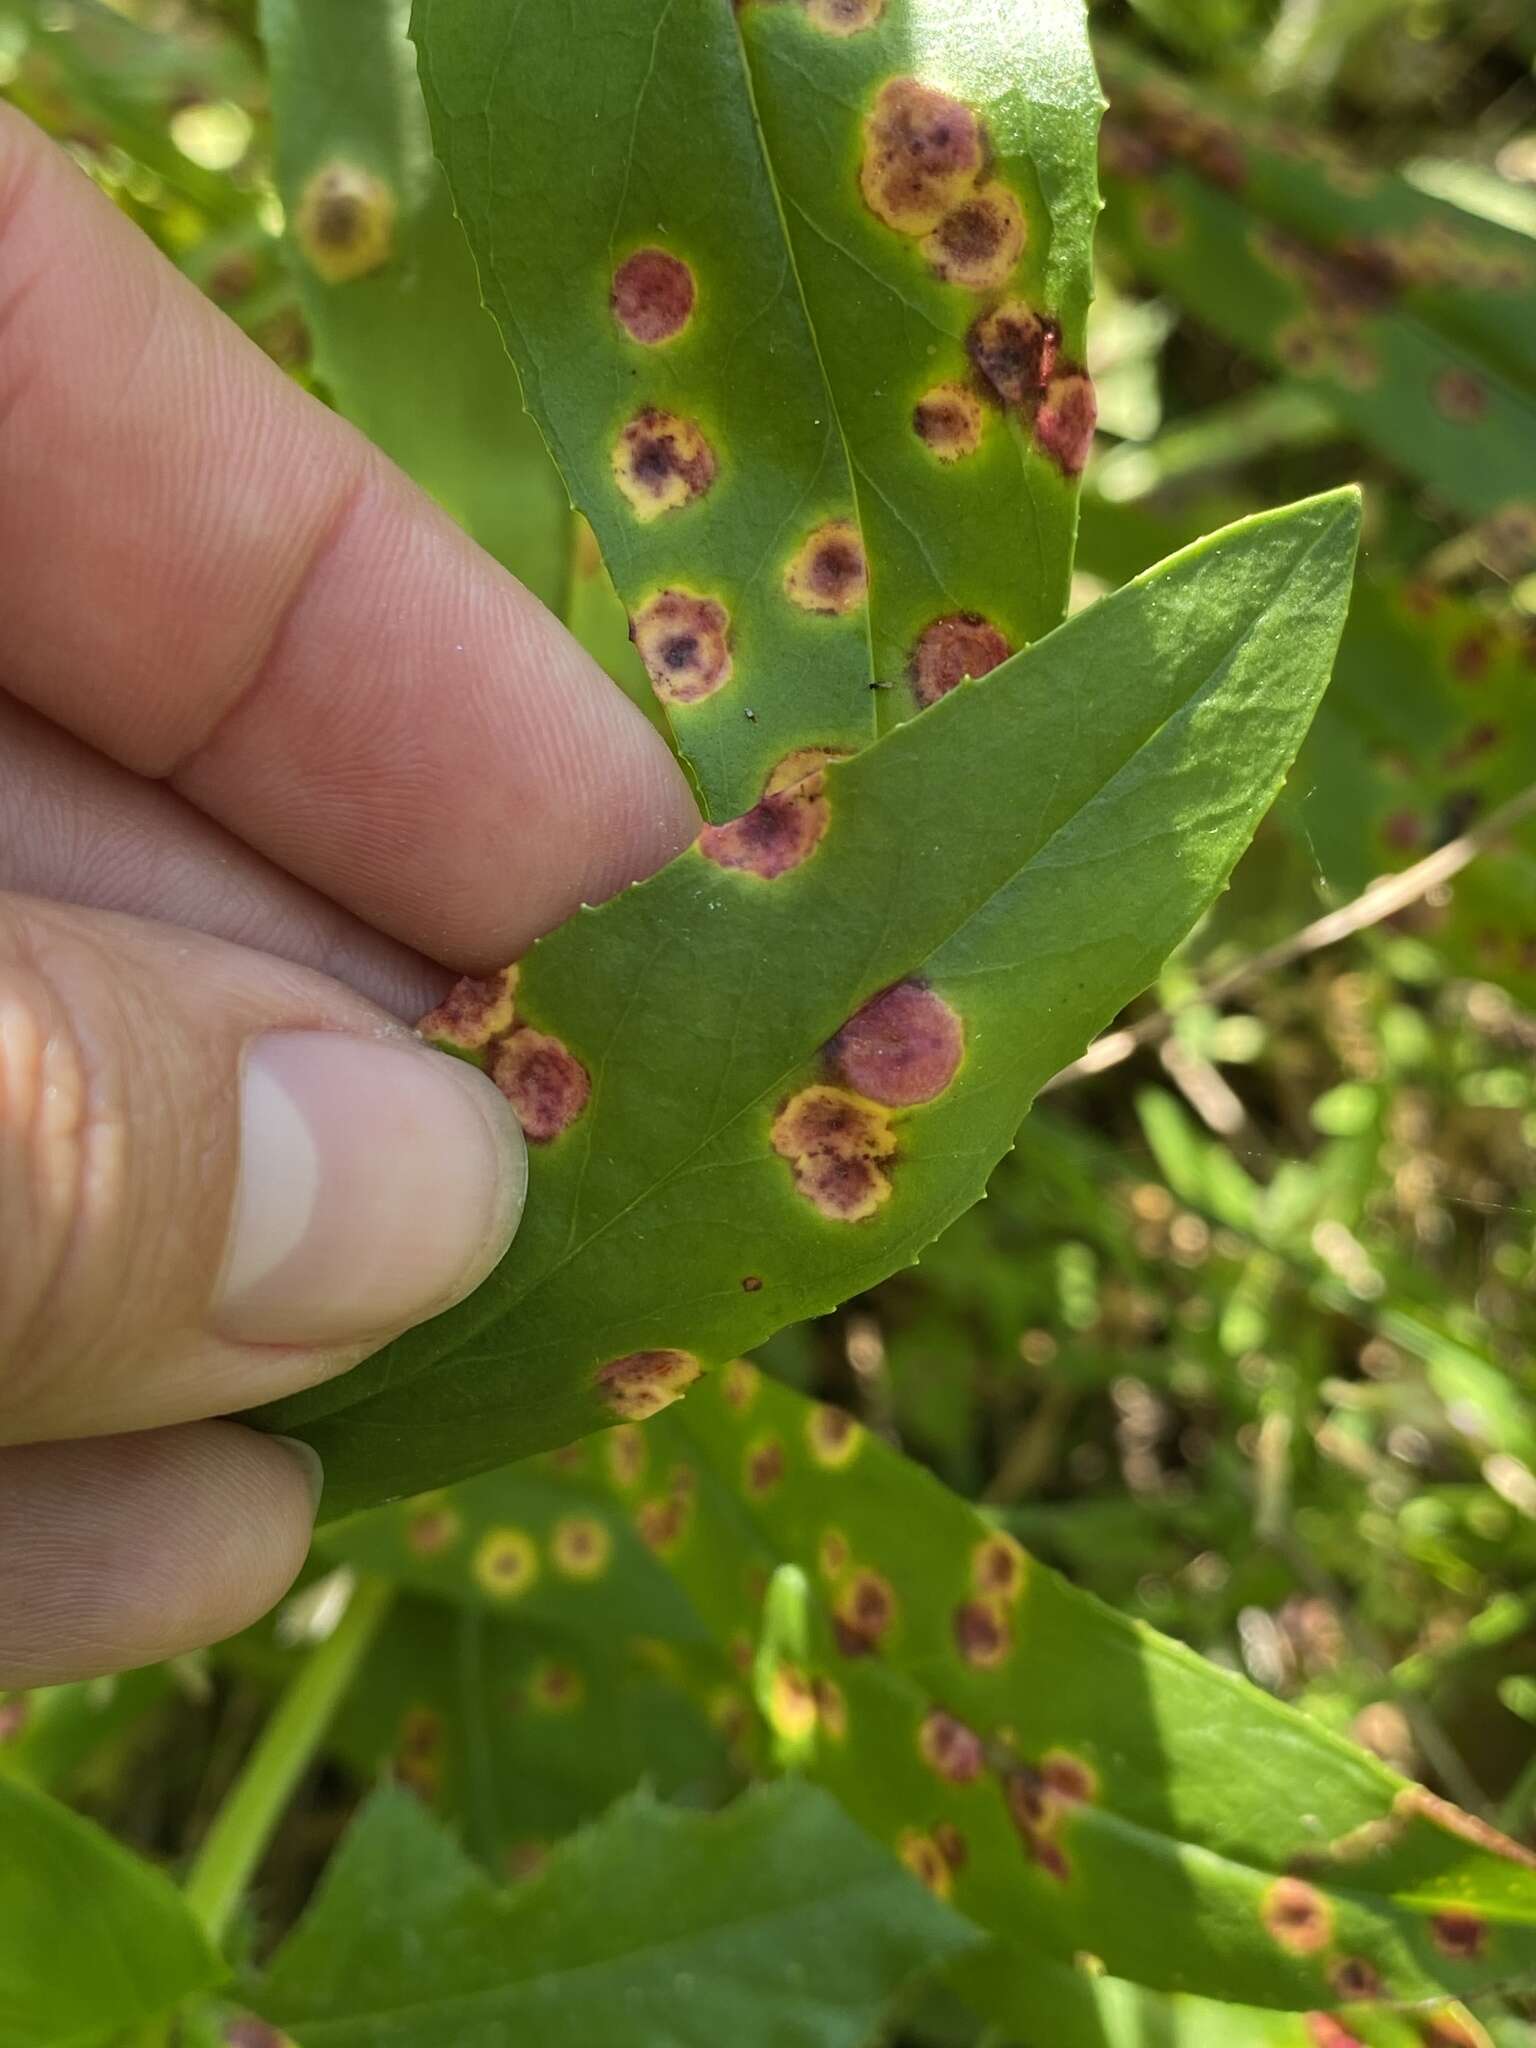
x=388, y=284
x=725, y=315
x=776, y=1920
x=91, y=1938
x=715, y=1166
x=1413, y=319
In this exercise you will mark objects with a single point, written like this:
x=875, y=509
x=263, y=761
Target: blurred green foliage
x=1242, y=1340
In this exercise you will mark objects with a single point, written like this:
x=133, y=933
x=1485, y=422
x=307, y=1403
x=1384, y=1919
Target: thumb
x=222, y=1177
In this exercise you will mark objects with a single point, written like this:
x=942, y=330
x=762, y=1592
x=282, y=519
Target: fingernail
x=308, y=1460
x=379, y=1182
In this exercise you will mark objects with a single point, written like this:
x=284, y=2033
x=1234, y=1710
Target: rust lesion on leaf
x=999, y=1566
x=923, y=151
x=833, y=1438
x=547, y=1086
x=1065, y=420
x=506, y=1563
x=476, y=1010
x=661, y=462
x=580, y=1547
x=652, y=296
x=864, y=1613
x=843, y=18
x=960, y=646
x=642, y=1383
x=838, y=1145
x=951, y=1748
x=948, y=420
x=1296, y=1916
x=829, y=573
x=684, y=641
x=344, y=222
x=902, y=1048
x=922, y=1855
x=1461, y=1936
x=1014, y=350
x=983, y=1634
x=978, y=243
x=432, y=1527
x=763, y=1466
x=781, y=830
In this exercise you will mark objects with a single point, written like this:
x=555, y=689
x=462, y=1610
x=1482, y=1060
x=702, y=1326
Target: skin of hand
x=281, y=752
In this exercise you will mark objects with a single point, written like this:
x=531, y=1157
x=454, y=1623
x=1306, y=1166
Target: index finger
x=214, y=580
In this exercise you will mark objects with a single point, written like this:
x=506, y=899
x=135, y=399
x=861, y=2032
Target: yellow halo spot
x=506, y=1563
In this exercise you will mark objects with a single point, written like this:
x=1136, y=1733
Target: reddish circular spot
x=922, y=152
x=1354, y=1980
x=661, y=462
x=951, y=1748
x=982, y=1634
x=1065, y=421
x=865, y=1611
x=902, y=1048
x=751, y=1283
x=829, y=573
x=1324, y=2031
x=652, y=296
x=1461, y=1936
x=764, y=1466
x=952, y=1844
x=951, y=649
x=1297, y=1916
x=545, y=1083
x=644, y=1382
x=684, y=642
x=948, y=422
x=474, y=1011
x=1014, y=350
x=782, y=830
x=978, y=242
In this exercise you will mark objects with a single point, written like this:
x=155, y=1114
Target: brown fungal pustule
x=1065, y=421
x=1297, y=1916
x=1354, y=1980
x=543, y=1080
x=556, y=1688
x=506, y=1563
x=627, y=1456
x=345, y=222
x=837, y=1146
x=982, y=1635
x=474, y=1011
x=952, y=1844
x=642, y=1383
x=865, y=1610
x=832, y=1553
x=925, y=1859
x=948, y=421
x=950, y=1748
x=998, y=1566
x=1068, y=1781
x=843, y=17
x=433, y=1528
x=661, y=463
x=1014, y=350
x=662, y=1524
x=951, y=649
x=684, y=641
x=751, y=1283
x=1462, y=1936
x=902, y=1048
x=782, y=830
x=829, y=573
x=832, y=1436
x=977, y=243
x=923, y=151
x=1035, y=1818
x=580, y=1547
x=763, y=1465
x=652, y=296
x=739, y=1384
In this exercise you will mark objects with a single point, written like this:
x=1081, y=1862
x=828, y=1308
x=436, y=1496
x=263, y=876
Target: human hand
x=260, y=690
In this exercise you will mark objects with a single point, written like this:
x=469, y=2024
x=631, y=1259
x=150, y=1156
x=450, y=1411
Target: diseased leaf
x=1414, y=320
x=92, y=1939
x=774, y=1920
x=388, y=284
x=738, y=261
x=768, y=1077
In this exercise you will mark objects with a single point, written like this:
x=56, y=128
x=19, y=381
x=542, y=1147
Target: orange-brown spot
x=829, y=573
x=580, y=1547
x=832, y=1436
x=1068, y=1781
x=1036, y=1818
x=645, y=1382
x=1066, y=419
x=751, y=1283
x=865, y=1610
x=952, y=1844
x=950, y=1748
x=1462, y=1936
x=925, y=1859
x=1460, y=397
x=782, y=830
x=982, y=1634
x=739, y=1384
x=1451, y=2030
x=474, y=1011
x=1354, y=1980
x=763, y=1465
x=833, y=1553
x=922, y=152
x=950, y=650
x=791, y=1704
x=506, y=1563
x=661, y=463
x=684, y=642
x=1297, y=1916
x=652, y=296
x=432, y=1529
x=345, y=222
x=843, y=17
x=998, y=1566
x=627, y=1454
x=662, y=1524
x=978, y=242
x=837, y=1145
x=545, y=1083
x=1418, y=1800
x=948, y=421
x=556, y=1688
x=903, y=1047
x=1014, y=350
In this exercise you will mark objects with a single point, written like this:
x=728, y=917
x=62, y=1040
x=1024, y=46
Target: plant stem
x=283, y=1751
